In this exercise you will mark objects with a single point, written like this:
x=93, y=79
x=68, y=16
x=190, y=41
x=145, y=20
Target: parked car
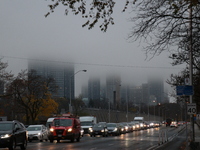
x=12, y=134
x=37, y=132
x=113, y=129
x=99, y=129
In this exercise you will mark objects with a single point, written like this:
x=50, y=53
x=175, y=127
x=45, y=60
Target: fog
x=27, y=34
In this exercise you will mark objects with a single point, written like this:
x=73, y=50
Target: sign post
x=191, y=108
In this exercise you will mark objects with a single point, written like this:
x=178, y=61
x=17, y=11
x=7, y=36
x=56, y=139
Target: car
x=181, y=123
x=99, y=129
x=122, y=128
x=113, y=129
x=65, y=127
x=174, y=124
x=12, y=134
x=127, y=127
x=37, y=132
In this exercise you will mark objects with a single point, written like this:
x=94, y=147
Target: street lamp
x=70, y=105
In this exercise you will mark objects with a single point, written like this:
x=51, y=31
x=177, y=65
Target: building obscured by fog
x=94, y=89
x=62, y=73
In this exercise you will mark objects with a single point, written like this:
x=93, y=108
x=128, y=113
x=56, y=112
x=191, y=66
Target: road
x=139, y=140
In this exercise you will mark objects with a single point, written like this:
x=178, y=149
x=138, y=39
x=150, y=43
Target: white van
x=49, y=122
x=141, y=119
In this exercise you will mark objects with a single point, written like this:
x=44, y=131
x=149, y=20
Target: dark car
x=113, y=129
x=122, y=128
x=99, y=129
x=12, y=134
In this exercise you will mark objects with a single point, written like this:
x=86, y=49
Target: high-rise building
x=156, y=89
x=62, y=73
x=94, y=89
x=113, y=85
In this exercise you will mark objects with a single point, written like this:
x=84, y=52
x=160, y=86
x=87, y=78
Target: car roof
x=36, y=125
x=10, y=121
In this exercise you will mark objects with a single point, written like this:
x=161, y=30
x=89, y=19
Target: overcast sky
x=25, y=32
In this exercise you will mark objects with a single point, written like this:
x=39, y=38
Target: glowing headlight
x=51, y=129
x=90, y=129
x=115, y=129
x=69, y=130
x=102, y=130
x=5, y=136
x=39, y=133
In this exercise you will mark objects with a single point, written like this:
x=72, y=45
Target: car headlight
x=115, y=129
x=90, y=129
x=5, y=136
x=69, y=130
x=39, y=133
x=51, y=129
x=102, y=130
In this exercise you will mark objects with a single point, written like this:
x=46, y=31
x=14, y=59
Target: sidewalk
x=196, y=144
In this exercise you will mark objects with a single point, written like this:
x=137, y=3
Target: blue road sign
x=184, y=90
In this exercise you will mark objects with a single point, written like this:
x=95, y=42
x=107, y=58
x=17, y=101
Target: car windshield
x=34, y=128
x=62, y=122
x=6, y=126
x=98, y=125
x=86, y=123
x=111, y=125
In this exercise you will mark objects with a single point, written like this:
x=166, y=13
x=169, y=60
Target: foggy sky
x=26, y=33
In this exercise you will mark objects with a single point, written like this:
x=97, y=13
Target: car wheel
x=72, y=139
x=78, y=139
x=12, y=145
x=51, y=140
x=58, y=141
x=24, y=145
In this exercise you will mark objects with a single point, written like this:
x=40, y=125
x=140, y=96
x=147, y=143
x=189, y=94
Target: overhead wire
x=92, y=64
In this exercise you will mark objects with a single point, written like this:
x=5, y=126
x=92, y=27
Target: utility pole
x=191, y=67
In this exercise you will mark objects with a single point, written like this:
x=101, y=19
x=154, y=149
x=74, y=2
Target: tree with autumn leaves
x=30, y=96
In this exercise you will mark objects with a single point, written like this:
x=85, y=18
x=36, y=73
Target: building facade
x=62, y=74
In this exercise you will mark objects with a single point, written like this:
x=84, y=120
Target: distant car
x=37, y=132
x=174, y=124
x=122, y=128
x=99, y=129
x=113, y=129
x=127, y=127
x=181, y=123
x=12, y=134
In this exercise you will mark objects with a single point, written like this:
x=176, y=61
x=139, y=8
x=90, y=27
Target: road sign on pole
x=184, y=90
x=191, y=108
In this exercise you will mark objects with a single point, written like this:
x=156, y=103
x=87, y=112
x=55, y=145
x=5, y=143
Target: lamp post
x=70, y=105
x=154, y=101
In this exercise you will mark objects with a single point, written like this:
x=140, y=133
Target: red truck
x=66, y=127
